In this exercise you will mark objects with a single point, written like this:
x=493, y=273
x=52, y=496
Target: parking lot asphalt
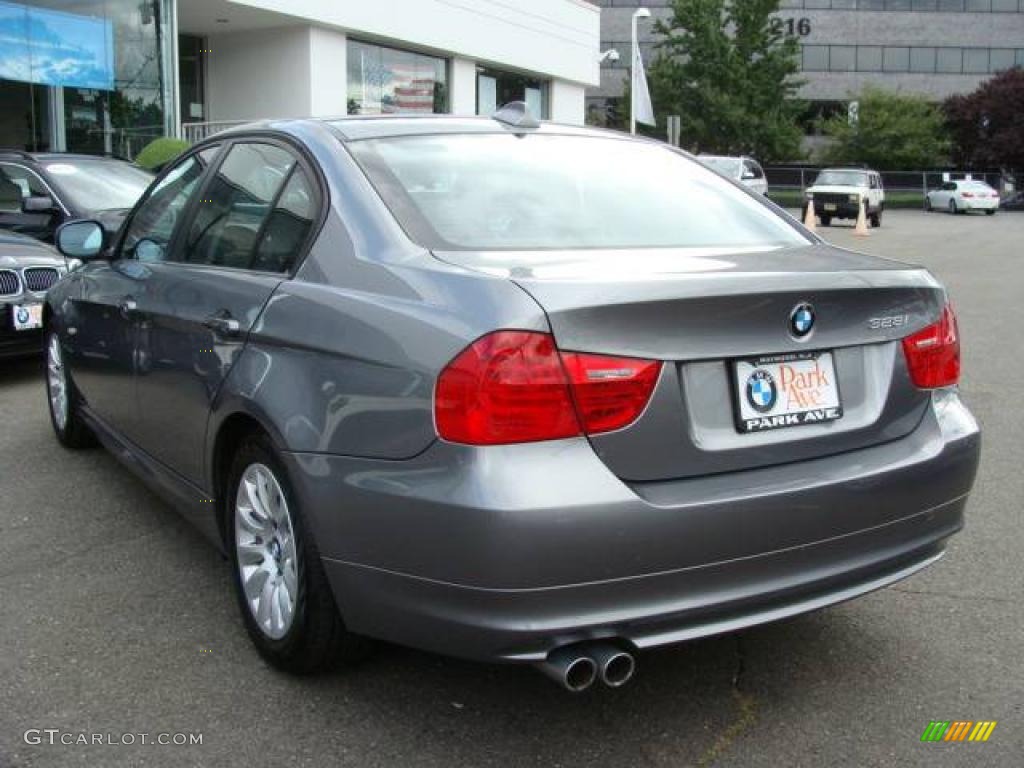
x=116, y=617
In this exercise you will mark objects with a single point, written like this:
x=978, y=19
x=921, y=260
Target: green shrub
x=160, y=152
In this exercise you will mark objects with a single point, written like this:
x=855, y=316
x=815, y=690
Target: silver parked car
x=28, y=268
x=510, y=391
x=745, y=170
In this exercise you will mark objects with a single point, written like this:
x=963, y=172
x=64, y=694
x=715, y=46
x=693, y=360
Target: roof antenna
x=517, y=115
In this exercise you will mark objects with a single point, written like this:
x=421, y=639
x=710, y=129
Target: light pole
x=639, y=13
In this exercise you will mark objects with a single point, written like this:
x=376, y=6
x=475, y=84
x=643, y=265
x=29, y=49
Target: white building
x=144, y=68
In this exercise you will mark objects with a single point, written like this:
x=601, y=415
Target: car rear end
x=976, y=196
x=693, y=438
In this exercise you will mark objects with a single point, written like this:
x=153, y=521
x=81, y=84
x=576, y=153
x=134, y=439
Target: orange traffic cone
x=810, y=220
x=861, y=230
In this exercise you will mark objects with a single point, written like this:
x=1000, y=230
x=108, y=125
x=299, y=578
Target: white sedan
x=962, y=196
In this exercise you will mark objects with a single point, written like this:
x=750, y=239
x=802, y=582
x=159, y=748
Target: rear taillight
x=516, y=387
x=610, y=392
x=933, y=353
x=966, y=194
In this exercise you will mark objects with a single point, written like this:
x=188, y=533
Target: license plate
x=27, y=316
x=829, y=206
x=786, y=391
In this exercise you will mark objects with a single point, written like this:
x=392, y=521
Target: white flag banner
x=643, y=112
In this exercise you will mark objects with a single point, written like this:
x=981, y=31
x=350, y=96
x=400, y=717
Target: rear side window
x=229, y=219
x=288, y=224
x=549, y=191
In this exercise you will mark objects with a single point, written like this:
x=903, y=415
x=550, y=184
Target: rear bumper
x=979, y=204
x=504, y=554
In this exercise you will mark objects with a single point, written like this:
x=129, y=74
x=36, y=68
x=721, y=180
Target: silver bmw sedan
x=511, y=391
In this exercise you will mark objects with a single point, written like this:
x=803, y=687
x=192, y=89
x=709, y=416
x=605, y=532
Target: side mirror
x=38, y=204
x=81, y=240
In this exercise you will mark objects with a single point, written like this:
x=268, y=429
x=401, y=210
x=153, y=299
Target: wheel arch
x=230, y=432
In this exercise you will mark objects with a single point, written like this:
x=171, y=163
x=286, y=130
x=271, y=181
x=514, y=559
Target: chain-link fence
x=903, y=189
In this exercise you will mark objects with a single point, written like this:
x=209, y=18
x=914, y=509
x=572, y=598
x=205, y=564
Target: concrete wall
x=328, y=83
x=463, y=86
x=567, y=101
x=557, y=38
x=298, y=69
x=843, y=27
x=260, y=73
x=914, y=29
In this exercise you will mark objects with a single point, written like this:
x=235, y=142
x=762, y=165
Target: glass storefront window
x=384, y=81
x=495, y=88
x=97, y=75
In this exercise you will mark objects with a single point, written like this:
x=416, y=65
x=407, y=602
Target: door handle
x=223, y=324
x=127, y=307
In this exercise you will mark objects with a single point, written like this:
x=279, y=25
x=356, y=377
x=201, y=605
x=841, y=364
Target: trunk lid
x=701, y=310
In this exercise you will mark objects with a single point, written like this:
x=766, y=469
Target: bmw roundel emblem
x=801, y=320
x=761, y=391
x=23, y=315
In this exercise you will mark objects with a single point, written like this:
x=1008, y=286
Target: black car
x=28, y=268
x=40, y=191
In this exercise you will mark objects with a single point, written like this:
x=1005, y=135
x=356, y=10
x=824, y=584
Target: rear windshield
x=544, y=191
x=841, y=179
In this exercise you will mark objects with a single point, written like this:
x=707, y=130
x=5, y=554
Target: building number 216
x=800, y=27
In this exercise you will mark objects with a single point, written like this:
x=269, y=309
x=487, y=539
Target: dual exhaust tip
x=576, y=668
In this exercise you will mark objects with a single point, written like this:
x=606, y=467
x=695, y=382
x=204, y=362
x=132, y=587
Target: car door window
x=150, y=230
x=17, y=183
x=288, y=225
x=236, y=204
x=753, y=169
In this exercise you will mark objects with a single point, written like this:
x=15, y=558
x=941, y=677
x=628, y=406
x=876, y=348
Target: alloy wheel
x=266, y=552
x=57, y=379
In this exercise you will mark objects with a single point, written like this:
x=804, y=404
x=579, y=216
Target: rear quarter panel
x=344, y=357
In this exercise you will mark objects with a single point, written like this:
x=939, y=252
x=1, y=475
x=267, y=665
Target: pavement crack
x=746, y=715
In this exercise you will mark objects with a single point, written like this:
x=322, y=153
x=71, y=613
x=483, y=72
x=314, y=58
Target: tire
x=825, y=221
x=876, y=218
x=63, y=399
x=953, y=207
x=313, y=638
x=991, y=212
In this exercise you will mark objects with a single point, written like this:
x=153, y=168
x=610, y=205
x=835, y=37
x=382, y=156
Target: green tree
x=728, y=68
x=893, y=131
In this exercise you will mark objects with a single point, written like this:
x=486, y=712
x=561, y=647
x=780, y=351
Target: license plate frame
x=800, y=396
x=27, y=317
x=829, y=207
